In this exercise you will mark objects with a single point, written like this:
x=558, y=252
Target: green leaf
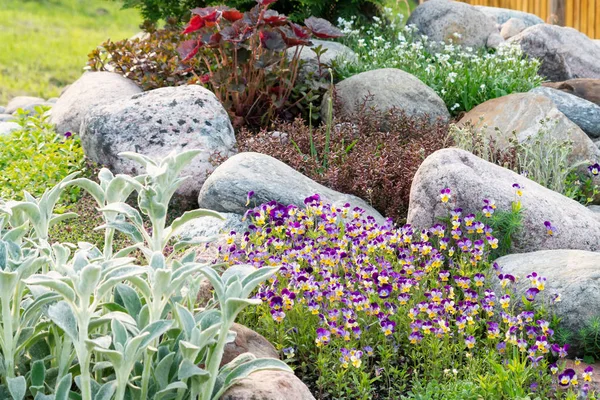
x=8, y=283
x=63, y=387
x=17, y=387
x=173, y=386
x=89, y=278
x=186, y=319
x=161, y=372
x=155, y=330
x=38, y=373
x=139, y=158
x=158, y=260
x=106, y=391
x=189, y=216
x=61, y=217
x=3, y=255
x=244, y=370
x=91, y=187
x=126, y=210
x=62, y=315
x=250, y=282
x=234, y=305
x=215, y=281
x=129, y=298
x=119, y=332
x=52, y=283
x=126, y=228
x=188, y=369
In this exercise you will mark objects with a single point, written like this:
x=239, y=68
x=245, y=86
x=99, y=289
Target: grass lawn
x=44, y=43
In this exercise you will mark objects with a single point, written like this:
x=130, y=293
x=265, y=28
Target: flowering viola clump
x=361, y=297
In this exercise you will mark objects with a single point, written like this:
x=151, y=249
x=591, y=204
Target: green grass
x=44, y=43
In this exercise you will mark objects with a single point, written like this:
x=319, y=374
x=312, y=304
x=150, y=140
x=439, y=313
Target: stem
x=214, y=360
x=8, y=348
x=121, y=387
x=146, y=375
x=108, y=243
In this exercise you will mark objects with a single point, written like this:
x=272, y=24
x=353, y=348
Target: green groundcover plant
x=364, y=310
x=35, y=157
x=462, y=77
x=81, y=323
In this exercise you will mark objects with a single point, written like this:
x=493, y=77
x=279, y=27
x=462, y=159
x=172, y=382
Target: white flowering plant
x=462, y=76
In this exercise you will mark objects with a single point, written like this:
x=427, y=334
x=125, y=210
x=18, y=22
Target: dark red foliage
x=196, y=23
x=189, y=49
x=373, y=155
x=272, y=40
x=273, y=18
x=265, y=2
x=322, y=28
x=232, y=15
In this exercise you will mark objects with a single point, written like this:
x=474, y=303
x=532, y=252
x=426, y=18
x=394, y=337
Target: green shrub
x=462, y=77
x=541, y=158
x=35, y=156
x=118, y=330
x=298, y=10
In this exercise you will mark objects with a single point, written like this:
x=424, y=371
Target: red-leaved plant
x=249, y=68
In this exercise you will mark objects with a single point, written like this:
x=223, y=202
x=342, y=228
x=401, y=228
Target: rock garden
x=307, y=200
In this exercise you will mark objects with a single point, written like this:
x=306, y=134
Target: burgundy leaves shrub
x=244, y=57
x=370, y=158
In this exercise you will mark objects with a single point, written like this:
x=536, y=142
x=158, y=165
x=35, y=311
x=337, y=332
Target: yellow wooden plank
x=597, y=20
x=577, y=14
x=537, y=7
x=544, y=10
x=569, y=12
x=583, y=26
x=591, y=13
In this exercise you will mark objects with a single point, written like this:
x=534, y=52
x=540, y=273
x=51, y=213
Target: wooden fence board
x=583, y=15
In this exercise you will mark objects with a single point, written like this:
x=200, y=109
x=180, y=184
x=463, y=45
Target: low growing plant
x=541, y=157
x=37, y=152
x=366, y=310
x=374, y=155
x=116, y=328
x=463, y=77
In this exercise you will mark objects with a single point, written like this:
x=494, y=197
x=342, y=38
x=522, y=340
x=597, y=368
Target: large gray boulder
x=390, y=88
x=86, y=93
x=472, y=180
x=226, y=190
x=573, y=274
x=155, y=123
x=502, y=15
x=565, y=53
x=452, y=21
x=583, y=113
x=269, y=385
x=526, y=114
x=6, y=117
x=27, y=103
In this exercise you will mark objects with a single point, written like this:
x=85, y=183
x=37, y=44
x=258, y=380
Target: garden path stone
x=565, y=53
x=91, y=90
x=24, y=102
x=390, y=88
x=583, y=113
x=248, y=341
x=502, y=15
x=2, y=110
x=585, y=88
x=227, y=188
x=472, y=180
x=7, y=127
x=269, y=385
x=573, y=274
x=155, y=123
x=523, y=113
x=460, y=23
x=513, y=27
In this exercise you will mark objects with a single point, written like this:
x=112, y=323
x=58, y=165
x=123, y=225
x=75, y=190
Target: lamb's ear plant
x=116, y=329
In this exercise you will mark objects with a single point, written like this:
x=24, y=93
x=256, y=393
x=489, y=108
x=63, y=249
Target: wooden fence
x=583, y=15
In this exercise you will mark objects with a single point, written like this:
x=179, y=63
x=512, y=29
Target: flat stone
x=502, y=15
x=24, y=102
x=8, y=127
